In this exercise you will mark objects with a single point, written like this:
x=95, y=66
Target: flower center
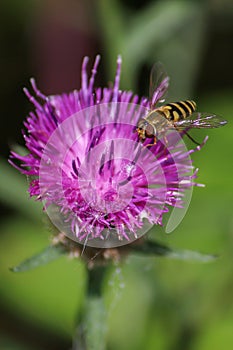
x=110, y=195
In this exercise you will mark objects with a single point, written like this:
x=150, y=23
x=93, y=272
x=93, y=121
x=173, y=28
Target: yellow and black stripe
x=178, y=110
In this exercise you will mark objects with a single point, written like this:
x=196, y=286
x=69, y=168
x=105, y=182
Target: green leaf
x=191, y=255
x=151, y=248
x=154, y=248
x=47, y=255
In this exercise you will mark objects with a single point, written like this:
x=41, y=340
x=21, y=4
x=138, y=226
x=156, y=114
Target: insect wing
x=201, y=121
x=159, y=82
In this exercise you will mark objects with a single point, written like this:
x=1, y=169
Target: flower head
x=98, y=183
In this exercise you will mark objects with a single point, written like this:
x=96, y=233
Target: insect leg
x=152, y=144
x=186, y=133
x=190, y=137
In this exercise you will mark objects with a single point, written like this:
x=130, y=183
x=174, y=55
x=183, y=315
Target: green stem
x=91, y=330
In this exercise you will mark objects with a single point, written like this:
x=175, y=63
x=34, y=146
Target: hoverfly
x=179, y=115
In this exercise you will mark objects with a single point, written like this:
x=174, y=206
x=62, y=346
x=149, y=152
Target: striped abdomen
x=178, y=110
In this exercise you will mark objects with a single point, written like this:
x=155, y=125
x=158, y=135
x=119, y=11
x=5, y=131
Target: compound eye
x=150, y=131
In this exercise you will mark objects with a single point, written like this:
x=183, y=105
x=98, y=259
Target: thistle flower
x=99, y=184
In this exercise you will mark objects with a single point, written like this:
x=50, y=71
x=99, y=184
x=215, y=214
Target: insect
x=179, y=115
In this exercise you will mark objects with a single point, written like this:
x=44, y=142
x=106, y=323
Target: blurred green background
x=153, y=303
